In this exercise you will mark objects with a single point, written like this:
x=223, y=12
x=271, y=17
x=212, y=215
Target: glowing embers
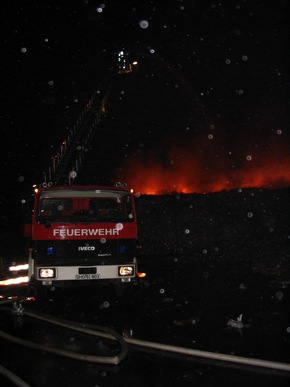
x=46, y=272
x=187, y=169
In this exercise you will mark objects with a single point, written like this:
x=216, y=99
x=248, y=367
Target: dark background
x=206, y=110
x=212, y=82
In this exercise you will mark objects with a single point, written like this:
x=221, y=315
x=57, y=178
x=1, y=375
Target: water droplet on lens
x=279, y=296
x=106, y=304
x=143, y=23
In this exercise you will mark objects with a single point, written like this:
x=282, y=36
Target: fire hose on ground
x=143, y=345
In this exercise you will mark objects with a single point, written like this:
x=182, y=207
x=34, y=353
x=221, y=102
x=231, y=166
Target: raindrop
x=204, y=251
x=103, y=240
x=72, y=339
x=106, y=304
x=99, y=9
x=228, y=61
x=161, y=291
x=249, y=214
x=279, y=131
x=119, y=226
x=187, y=231
x=50, y=83
x=73, y=174
x=210, y=136
x=244, y=58
x=23, y=50
x=21, y=179
x=249, y=157
x=288, y=329
x=279, y=296
x=152, y=51
x=143, y=24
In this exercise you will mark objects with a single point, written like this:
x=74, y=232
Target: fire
x=186, y=171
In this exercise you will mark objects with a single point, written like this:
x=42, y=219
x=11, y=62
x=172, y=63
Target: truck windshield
x=84, y=206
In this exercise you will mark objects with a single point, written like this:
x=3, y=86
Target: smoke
x=192, y=144
x=208, y=164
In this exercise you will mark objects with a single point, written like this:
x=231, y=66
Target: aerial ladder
x=66, y=163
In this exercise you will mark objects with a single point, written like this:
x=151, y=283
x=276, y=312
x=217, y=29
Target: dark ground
x=209, y=259
x=250, y=226
x=182, y=303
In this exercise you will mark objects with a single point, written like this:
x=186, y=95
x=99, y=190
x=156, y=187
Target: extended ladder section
x=67, y=162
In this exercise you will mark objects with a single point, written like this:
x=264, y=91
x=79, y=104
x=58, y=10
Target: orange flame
x=205, y=171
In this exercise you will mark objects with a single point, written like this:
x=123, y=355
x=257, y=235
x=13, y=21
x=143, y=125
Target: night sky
x=210, y=95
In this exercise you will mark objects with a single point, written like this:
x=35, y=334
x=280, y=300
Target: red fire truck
x=82, y=235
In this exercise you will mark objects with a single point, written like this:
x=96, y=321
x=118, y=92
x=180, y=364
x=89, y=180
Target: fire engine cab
x=82, y=235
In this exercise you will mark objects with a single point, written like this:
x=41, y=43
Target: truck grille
x=85, y=252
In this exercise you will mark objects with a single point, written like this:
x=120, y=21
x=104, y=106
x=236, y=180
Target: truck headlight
x=125, y=271
x=47, y=273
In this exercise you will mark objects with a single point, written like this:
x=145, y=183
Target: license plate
x=87, y=276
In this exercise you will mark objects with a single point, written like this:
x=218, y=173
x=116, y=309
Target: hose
x=108, y=333
x=12, y=377
x=100, y=332
x=210, y=355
